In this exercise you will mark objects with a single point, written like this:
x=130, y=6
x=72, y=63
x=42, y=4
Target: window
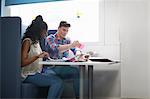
x=85, y=16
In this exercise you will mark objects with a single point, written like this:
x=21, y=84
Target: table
x=82, y=66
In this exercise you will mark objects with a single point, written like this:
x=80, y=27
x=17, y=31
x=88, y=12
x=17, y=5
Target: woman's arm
x=24, y=54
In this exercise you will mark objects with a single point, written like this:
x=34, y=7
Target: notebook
x=98, y=59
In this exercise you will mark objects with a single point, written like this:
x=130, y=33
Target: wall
x=111, y=46
x=149, y=45
x=134, y=48
x=5, y=11
x=107, y=82
x=2, y=7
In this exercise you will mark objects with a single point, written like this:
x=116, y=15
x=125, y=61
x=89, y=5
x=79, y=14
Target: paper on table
x=54, y=60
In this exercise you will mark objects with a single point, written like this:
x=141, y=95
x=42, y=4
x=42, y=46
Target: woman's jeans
x=54, y=83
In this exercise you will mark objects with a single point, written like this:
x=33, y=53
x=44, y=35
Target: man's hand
x=75, y=44
x=82, y=57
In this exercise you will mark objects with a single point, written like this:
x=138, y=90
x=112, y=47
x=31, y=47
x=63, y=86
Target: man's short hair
x=64, y=24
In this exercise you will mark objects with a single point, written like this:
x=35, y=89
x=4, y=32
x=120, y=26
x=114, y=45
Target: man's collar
x=56, y=35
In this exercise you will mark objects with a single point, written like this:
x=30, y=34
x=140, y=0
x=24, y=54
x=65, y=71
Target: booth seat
x=29, y=90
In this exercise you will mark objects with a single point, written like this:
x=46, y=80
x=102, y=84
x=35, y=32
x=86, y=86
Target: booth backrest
x=10, y=57
x=51, y=32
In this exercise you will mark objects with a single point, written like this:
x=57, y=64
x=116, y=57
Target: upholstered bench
x=29, y=90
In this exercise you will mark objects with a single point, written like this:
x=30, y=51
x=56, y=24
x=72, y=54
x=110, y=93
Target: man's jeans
x=69, y=72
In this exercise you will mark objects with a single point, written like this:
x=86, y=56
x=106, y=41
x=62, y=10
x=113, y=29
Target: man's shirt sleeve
x=51, y=46
x=72, y=49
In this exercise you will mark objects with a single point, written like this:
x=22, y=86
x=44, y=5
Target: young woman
x=32, y=54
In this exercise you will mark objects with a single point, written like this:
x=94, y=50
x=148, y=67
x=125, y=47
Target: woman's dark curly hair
x=34, y=30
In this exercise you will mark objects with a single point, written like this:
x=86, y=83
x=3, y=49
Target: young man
x=58, y=46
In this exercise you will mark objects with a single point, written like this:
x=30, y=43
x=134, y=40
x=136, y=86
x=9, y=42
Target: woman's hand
x=43, y=54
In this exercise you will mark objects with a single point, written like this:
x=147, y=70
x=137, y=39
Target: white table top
x=100, y=65
x=75, y=63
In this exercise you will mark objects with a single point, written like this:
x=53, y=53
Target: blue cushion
x=51, y=32
x=29, y=90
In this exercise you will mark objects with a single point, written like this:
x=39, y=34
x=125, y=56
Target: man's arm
x=55, y=48
x=61, y=48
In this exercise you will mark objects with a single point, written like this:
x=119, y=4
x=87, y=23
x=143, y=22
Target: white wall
x=5, y=11
x=111, y=46
x=149, y=45
x=134, y=48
